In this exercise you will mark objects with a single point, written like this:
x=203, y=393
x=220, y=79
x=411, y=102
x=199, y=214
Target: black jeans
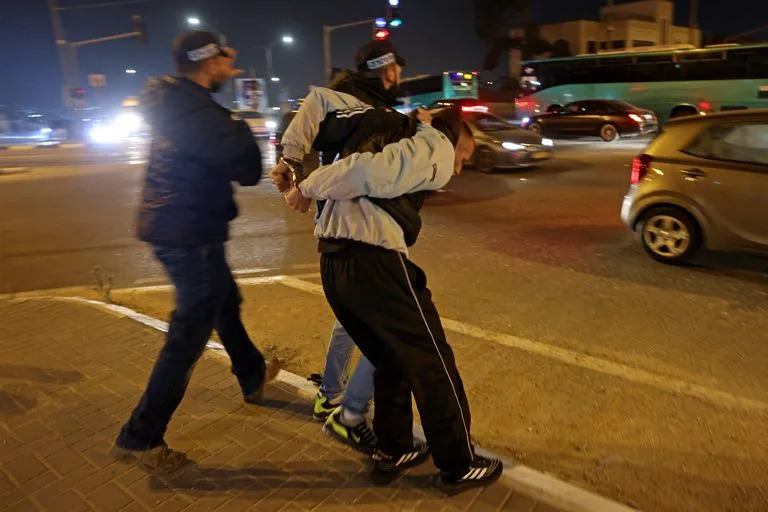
x=383, y=302
x=207, y=298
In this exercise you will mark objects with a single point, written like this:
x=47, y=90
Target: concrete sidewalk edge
x=63, y=145
x=528, y=481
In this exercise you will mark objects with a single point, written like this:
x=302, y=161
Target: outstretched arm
x=422, y=162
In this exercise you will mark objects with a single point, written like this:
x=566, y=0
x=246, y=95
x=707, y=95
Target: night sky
x=433, y=38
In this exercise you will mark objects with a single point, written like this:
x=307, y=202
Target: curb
x=535, y=484
x=41, y=146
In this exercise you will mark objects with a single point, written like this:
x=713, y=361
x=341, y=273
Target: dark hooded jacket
x=197, y=150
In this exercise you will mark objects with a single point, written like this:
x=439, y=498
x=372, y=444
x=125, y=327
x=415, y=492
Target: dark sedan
x=500, y=145
x=608, y=119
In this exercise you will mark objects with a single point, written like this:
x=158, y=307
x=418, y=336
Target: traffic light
x=140, y=28
x=77, y=93
x=393, y=13
x=381, y=34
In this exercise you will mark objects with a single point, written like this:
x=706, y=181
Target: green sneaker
x=323, y=408
x=360, y=437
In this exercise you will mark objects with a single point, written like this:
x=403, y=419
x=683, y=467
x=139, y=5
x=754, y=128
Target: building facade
x=622, y=27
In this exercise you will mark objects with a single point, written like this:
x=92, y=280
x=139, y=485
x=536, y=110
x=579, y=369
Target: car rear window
x=747, y=142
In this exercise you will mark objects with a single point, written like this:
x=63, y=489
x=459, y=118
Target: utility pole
x=327, y=31
x=64, y=49
x=694, y=20
x=609, y=28
x=68, y=49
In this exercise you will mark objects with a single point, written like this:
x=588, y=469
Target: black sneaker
x=387, y=467
x=481, y=472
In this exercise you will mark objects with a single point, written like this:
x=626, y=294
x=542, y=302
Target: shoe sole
x=384, y=476
x=126, y=457
x=367, y=450
x=452, y=489
x=321, y=419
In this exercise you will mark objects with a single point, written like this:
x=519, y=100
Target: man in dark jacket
x=197, y=150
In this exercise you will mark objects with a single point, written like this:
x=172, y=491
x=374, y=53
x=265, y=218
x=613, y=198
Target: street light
x=130, y=71
x=285, y=39
x=193, y=21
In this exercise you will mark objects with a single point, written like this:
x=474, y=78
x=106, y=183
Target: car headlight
x=525, y=120
x=271, y=125
x=45, y=131
x=128, y=123
x=547, y=142
x=105, y=134
x=512, y=146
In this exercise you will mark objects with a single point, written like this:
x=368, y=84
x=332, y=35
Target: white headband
x=380, y=62
x=205, y=52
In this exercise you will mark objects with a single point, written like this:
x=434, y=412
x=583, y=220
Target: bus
x=670, y=82
x=424, y=90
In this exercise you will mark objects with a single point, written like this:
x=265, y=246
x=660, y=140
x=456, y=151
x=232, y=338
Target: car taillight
x=636, y=118
x=640, y=168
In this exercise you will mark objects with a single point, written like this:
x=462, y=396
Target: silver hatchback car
x=703, y=182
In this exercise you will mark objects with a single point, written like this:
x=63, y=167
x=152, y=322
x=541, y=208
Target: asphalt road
x=652, y=384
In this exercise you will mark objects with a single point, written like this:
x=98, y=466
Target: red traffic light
x=77, y=93
x=381, y=34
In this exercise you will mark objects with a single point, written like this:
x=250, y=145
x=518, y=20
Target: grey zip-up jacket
x=423, y=162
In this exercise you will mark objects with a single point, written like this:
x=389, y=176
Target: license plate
x=540, y=155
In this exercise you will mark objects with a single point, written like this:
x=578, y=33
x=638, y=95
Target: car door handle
x=694, y=173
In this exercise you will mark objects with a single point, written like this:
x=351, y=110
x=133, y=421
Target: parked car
x=703, y=182
x=608, y=119
x=501, y=145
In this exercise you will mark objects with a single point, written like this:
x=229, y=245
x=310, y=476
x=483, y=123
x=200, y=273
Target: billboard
x=251, y=94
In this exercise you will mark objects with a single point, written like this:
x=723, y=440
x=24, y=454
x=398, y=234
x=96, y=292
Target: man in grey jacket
x=381, y=297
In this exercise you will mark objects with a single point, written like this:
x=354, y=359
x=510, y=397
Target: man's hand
x=281, y=176
x=297, y=201
x=229, y=58
x=424, y=116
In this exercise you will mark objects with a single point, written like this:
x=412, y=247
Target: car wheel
x=536, y=128
x=485, y=160
x=609, y=132
x=669, y=235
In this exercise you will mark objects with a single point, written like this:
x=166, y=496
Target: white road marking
x=244, y=271
x=530, y=482
x=571, y=357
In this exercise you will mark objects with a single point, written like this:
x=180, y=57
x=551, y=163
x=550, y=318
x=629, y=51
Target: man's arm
x=302, y=131
x=423, y=162
x=211, y=135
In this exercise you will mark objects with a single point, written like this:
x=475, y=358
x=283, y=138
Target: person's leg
x=394, y=417
x=403, y=320
x=337, y=359
x=440, y=395
x=334, y=374
x=190, y=328
x=248, y=363
x=359, y=391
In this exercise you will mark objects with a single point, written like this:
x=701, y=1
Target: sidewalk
x=69, y=376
